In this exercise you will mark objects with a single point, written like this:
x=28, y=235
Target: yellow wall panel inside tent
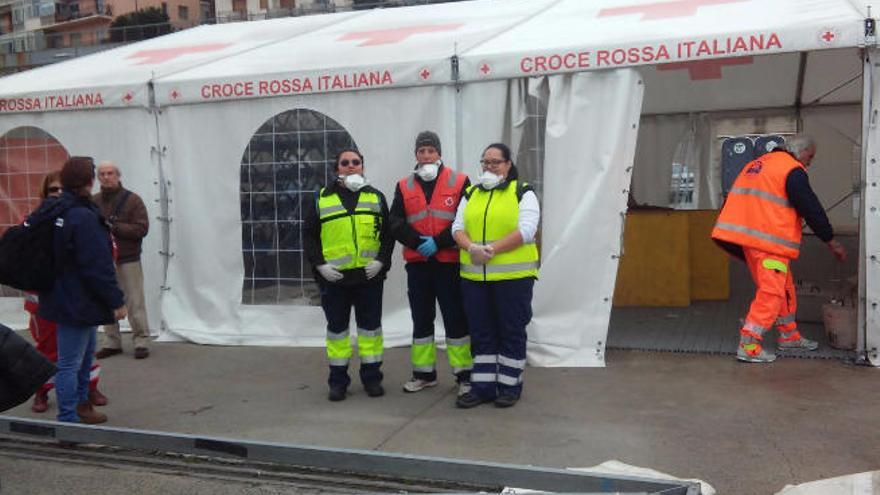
x=710, y=269
x=655, y=267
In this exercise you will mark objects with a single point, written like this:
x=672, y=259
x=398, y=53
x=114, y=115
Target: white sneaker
x=800, y=344
x=416, y=384
x=762, y=357
x=463, y=388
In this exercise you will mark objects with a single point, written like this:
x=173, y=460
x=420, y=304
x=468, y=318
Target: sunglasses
x=344, y=163
x=54, y=189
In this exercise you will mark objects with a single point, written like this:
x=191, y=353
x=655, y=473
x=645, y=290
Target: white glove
x=330, y=273
x=373, y=268
x=480, y=254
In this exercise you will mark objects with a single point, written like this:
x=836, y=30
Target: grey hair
x=799, y=143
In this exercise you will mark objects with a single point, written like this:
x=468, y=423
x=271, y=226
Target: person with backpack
x=129, y=222
x=495, y=227
x=44, y=332
x=84, y=293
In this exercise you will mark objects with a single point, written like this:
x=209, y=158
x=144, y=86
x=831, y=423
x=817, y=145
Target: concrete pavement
x=746, y=429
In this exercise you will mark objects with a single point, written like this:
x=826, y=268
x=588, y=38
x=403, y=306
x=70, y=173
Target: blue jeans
x=76, y=348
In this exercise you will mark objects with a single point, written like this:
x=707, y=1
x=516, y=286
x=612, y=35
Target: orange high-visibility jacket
x=757, y=213
x=431, y=219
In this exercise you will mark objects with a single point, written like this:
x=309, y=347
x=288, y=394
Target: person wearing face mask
x=495, y=227
x=421, y=218
x=347, y=242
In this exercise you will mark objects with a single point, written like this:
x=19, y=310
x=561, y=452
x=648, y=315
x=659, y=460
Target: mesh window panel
x=286, y=163
x=27, y=154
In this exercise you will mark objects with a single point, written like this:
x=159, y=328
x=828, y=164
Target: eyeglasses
x=491, y=163
x=54, y=189
x=344, y=163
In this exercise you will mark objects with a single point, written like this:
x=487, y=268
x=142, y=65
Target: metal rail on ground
x=394, y=468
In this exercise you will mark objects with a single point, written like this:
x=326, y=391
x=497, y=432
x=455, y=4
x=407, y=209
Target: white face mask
x=428, y=171
x=489, y=180
x=354, y=182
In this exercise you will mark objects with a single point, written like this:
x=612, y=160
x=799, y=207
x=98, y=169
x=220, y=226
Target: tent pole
x=799, y=91
x=868, y=311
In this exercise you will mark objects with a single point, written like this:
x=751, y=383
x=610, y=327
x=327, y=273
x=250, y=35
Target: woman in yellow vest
x=495, y=228
x=347, y=241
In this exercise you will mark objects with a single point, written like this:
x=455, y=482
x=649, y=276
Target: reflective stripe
x=369, y=253
x=760, y=235
x=417, y=216
x=452, y=176
x=784, y=320
x=507, y=380
x=424, y=369
x=446, y=215
x=483, y=377
x=456, y=371
x=327, y=210
x=370, y=333
x=486, y=359
x=789, y=336
x=758, y=329
x=31, y=298
x=368, y=205
x=761, y=194
x=411, y=183
x=339, y=362
x=512, y=363
x=337, y=336
x=459, y=355
x=370, y=359
x=423, y=354
x=340, y=261
x=423, y=340
x=460, y=341
x=771, y=264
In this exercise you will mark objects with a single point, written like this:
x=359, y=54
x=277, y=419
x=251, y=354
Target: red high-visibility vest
x=757, y=213
x=431, y=219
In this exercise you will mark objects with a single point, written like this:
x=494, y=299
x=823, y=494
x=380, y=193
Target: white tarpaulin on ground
x=472, y=71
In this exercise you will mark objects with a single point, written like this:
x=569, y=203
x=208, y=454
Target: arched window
x=287, y=161
x=26, y=155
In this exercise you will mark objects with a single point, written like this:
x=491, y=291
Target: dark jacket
x=22, y=369
x=312, y=234
x=130, y=225
x=403, y=232
x=85, y=292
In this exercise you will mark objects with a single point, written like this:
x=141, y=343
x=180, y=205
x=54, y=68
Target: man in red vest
x=760, y=223
x=421, y=216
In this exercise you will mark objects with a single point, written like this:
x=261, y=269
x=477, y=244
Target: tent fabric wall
x=126, y=137
x=592, y=124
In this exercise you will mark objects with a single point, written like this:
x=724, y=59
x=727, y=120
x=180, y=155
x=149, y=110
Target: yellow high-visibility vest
x=350, y=241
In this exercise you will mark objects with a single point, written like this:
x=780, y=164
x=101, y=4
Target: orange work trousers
x=775, y=301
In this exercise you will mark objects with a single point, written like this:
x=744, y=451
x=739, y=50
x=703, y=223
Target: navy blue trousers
x=337, y=301
x=498, y=313
x=428, y=284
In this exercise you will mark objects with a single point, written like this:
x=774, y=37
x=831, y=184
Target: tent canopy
x=444, y=43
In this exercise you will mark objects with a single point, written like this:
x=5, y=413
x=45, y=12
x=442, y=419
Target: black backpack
x=27, y=254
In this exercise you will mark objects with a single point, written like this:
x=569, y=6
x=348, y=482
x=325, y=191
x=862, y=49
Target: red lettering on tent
x=160, y=55
x=395, y=35
x=664, y=10
x=707, y=69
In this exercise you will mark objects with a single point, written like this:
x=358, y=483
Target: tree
x=140, y=25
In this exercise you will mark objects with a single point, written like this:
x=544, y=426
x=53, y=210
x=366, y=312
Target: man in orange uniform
x=760, y=223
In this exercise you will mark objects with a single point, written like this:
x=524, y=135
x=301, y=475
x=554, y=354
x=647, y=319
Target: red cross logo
x=160, y=55
x=395, y=35
x=706, y=69
x=664, y=10
x=128, y=97
x=485, y=69
x=425, y=74
x=174, y=94
x=828, y=36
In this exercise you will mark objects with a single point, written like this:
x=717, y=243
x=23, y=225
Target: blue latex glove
x=428, y=247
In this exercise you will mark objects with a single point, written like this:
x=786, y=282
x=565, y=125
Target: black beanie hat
x=428, y=138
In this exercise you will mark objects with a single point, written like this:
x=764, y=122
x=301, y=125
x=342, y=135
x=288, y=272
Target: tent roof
x=411, y=46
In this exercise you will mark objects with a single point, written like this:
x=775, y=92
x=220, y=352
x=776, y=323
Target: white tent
x=182, y=115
